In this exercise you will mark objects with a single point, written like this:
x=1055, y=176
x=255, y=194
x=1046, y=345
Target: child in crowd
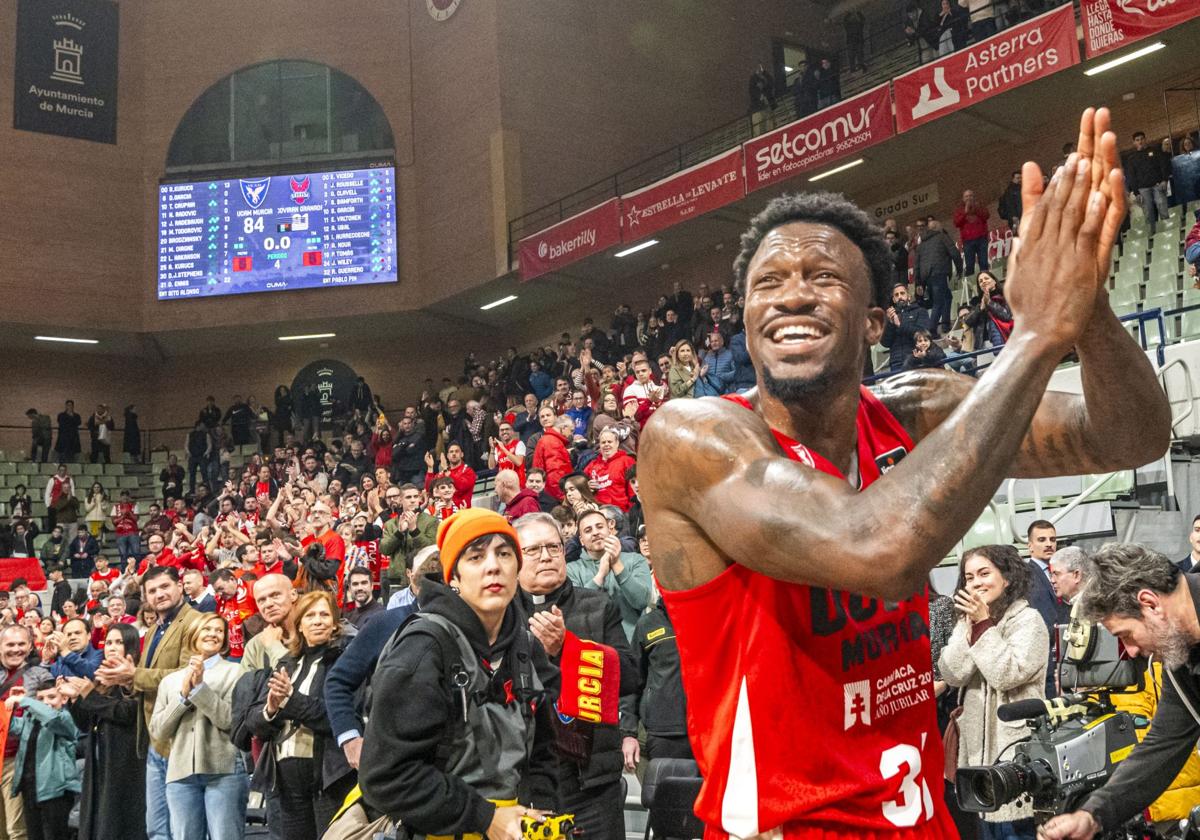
x=46, y=774
x=925, y=353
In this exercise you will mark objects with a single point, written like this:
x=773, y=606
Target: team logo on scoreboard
x=254, y=190
x=300, y=189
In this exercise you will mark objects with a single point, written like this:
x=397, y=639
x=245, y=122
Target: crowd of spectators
x=228, y=638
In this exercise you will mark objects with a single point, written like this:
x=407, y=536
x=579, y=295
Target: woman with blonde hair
x=95, y=510
x=300, y=757
x=207, y=784
x=685, y=370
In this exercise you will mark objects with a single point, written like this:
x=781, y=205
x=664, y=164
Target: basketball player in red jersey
x=794, y=529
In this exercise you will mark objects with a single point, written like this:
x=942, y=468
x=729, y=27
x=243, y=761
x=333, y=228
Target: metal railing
x=890, y=53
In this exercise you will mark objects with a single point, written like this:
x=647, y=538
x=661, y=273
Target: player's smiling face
x=808, y=311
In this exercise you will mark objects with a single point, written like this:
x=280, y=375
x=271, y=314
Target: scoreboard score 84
x=276, y=232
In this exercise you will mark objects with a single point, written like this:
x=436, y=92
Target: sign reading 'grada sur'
x=66, y=68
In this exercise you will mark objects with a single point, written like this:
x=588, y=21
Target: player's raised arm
x=1122, y=419
x=715, y=487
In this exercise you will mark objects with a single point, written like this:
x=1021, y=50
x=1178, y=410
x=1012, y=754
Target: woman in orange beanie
x=461, y=717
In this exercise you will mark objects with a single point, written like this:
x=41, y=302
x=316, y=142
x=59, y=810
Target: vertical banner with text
x=570, y=240
x=66, y=68
x=814, y=141
x=685, y=195
x=1111, y=24
x=1021, y=54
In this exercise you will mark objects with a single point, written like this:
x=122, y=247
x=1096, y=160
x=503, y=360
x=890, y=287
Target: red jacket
x=524, y=502
x=973, y=225
x=464, y=484
x=552, y=456
x=383, y=449
x=611, y=486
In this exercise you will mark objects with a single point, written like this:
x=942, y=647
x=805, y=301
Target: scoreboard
x=270, y=233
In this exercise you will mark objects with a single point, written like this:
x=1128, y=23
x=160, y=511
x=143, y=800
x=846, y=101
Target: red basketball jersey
x=811, y=712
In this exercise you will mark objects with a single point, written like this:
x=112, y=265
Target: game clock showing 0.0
x=276, y=232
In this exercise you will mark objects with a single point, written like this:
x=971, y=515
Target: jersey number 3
x=912, y=799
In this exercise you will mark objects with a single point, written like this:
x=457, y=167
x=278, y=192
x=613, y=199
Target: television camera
x=1075, y=741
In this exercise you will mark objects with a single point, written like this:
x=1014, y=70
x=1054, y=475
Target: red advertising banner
x=570, y=240
x=687, y=194
x=1111, y=24
x=839, y=130
x=1025, y=53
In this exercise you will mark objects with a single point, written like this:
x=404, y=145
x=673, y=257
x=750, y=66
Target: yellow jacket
x=1178, y=799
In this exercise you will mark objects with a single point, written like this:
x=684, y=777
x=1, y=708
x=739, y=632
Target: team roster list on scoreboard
x=279, y=232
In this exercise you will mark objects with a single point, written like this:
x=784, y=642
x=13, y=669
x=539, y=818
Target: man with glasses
x=589, y=785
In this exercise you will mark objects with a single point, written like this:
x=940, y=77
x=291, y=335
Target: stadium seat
x=1163, y=301
x=1124, y=298
x=1119, y=485
x=985, y=531
x=1171, y=322
x=1191, y=324
x=1166, y=226
x=39, y=541
x=1166, y=243
x=1191, y=295
x=1128, y=276
x=1160, y=284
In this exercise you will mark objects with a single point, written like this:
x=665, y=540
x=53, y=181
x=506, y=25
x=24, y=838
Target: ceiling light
x=838, y=169
x=641, y=246
x=787, y=69
x=501, y=302
x=65, y=340
x=1117, y=62
x=306, y=337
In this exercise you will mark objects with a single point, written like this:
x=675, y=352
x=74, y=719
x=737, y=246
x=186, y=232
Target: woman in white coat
x=996, y=655
x=207, y=784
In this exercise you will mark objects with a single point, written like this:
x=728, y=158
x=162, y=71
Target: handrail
x=1187, y=379
x=892, y=54
x=1083, y=496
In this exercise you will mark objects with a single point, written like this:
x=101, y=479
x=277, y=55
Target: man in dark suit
x=1191, y=563
x=1043, y=540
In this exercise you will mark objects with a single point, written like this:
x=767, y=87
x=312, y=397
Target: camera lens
x=984, y=789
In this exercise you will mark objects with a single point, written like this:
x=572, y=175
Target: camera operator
x=1146, y=602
